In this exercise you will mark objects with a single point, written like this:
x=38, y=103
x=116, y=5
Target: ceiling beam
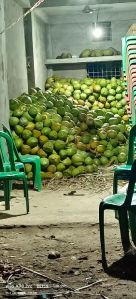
x=54, y=3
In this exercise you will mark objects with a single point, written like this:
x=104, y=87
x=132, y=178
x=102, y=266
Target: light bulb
x=97, y=32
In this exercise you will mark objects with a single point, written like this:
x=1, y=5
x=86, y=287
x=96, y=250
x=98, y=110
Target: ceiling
x=64, y=10
x=73, y=7
x=55, y=3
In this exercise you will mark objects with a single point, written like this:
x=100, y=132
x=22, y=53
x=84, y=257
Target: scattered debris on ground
x=103, y=178
x=28, y=271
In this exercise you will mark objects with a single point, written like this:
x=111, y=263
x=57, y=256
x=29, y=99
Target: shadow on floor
x=19, y=186
x=4, y=215
x=2, y=198
x=124, y=268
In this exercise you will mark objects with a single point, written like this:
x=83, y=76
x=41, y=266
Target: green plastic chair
x=132, y=61
x=123, y=55
x=122, y=203
x=126, y=42
x=5, y=159
x=32, y=159
x=130, y=38
x=6, y=163
x=130, y=52
x=133, y=111
x=122, y=172
x=130, y=42
x=12, y=174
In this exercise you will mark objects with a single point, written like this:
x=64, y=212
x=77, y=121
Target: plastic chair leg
x=7, y=194
x=102, y=238
x=10, y=185
x=124, y=229
x=115, y=184
x=116, y=215
x=115, y=190
x=37, y=183
x=26, y=194
x=132, y=224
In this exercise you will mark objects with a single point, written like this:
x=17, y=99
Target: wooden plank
x=78, y=60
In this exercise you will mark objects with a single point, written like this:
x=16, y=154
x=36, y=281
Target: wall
x=39, y=49
x=73, y=33
x=29, y=51
x=15, y=47
x=4, y=104
x=70, y=70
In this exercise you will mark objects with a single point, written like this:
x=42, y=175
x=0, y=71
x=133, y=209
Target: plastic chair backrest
x=124, y=54
x=131, y=185
x=131, y=146
x=1, y=163
x=10, y=151
x=16, y=154
x=3, y=150
x=130, y=37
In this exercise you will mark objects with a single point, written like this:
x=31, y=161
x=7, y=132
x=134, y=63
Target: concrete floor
x=50, y=207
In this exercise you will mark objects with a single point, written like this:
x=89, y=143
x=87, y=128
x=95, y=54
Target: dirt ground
x=75, y=243
x=79, y=263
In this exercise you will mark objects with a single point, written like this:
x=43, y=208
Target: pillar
x=4, y=102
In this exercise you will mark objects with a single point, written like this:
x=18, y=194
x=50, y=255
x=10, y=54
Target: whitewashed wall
x=15, y=48
x=73, y=33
